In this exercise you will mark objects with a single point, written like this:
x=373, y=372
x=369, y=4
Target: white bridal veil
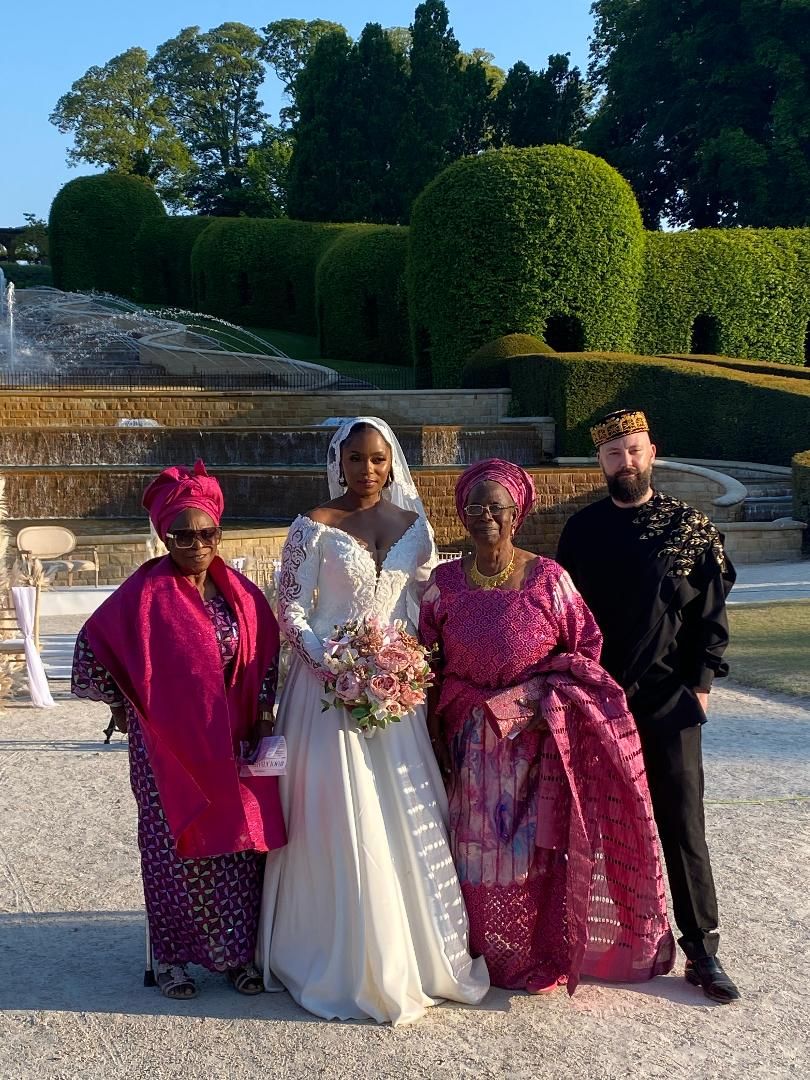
x=402, y=490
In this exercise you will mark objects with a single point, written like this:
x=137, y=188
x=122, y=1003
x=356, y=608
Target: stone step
x=772, y=490
x=768, y=509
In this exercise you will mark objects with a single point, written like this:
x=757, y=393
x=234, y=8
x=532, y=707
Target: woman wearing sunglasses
x=550, y=820
x=185, y=653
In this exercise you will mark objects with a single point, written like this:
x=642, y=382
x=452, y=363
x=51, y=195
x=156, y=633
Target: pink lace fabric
x=552, y=830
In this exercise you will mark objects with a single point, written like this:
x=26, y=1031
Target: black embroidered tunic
x=656, y=578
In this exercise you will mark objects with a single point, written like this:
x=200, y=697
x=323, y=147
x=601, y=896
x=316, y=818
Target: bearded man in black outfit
x=654, y=573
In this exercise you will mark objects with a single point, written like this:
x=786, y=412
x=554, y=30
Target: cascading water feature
x=97, y=335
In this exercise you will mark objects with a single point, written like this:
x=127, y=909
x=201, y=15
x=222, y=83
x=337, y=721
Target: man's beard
x=628, y=488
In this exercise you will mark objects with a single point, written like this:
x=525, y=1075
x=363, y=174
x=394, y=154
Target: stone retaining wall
x=121, y=553
x=208, y=409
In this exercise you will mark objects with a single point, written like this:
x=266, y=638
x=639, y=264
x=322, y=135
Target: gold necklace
x=484, y=582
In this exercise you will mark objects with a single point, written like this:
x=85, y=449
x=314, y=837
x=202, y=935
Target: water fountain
x=7, y=304
x=98, y=336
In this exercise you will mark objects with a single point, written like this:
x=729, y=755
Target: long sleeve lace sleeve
x=427, y=561
x=300, y=563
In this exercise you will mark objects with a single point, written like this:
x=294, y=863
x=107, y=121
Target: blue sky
x=47, y=44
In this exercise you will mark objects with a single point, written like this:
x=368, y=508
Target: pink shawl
x=615, y=899
x=154, y=637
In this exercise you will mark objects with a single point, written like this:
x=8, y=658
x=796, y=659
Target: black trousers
x=674, y=762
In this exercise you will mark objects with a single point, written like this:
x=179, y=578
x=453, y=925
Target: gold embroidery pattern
x=688, y=533
x=618, y=424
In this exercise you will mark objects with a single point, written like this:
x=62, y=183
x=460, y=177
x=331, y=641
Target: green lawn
x=770, y=646
x=302, y=347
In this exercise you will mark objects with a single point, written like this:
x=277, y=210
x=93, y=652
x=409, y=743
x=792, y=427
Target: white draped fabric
x=24, y=598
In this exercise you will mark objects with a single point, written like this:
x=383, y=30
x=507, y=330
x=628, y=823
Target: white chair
x=51, y=544
x=450, y=556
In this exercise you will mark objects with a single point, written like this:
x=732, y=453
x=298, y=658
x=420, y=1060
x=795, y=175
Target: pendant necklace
x=484, y=582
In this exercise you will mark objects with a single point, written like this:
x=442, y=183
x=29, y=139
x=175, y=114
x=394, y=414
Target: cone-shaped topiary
x=488, y=367
x=546, y=240
x=92, y=227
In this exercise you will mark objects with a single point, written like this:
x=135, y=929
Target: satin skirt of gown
x=362, y=914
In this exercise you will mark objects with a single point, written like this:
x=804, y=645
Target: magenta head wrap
x=516, y=481
x=177, y=489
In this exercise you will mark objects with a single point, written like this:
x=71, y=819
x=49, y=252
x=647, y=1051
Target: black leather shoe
x=708, y=973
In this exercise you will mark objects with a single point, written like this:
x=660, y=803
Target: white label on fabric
x=271, y=759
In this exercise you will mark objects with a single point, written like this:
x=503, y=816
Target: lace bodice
x=328, y=577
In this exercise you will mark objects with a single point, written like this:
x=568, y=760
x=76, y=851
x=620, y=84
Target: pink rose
x=393, y=658
x=384, y=687
x=347, y=686
x=411, y=698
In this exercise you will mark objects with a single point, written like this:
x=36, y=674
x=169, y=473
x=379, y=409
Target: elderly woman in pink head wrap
x=185, y=653
x=550, y=820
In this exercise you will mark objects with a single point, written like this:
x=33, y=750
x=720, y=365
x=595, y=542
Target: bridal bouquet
x=379, y=673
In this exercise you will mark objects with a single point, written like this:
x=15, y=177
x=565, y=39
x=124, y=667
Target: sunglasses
x=184, y=538
x=495, y=509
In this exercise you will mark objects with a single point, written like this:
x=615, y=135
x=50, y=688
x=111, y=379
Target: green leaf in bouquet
x=359, y=712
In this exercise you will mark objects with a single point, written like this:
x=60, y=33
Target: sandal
x=246, y=979
x=175, y=982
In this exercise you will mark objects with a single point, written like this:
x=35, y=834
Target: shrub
x=261, y=271
x=546, y=240
x=695, y=410
x=801, y=491
x=738, y=292
x=92, y=226
x=27, y=276
x=754, y=367
x=163, y=260
x=361, y=299
x=488, y=367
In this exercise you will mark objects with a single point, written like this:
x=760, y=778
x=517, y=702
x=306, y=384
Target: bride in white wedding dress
x=362, y=915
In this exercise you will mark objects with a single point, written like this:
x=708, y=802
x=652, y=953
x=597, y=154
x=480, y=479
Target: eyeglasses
x=184, y=538
x=495, y=509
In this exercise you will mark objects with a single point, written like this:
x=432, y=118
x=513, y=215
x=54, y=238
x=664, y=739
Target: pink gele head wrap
x=516, y=481
x=177, y=489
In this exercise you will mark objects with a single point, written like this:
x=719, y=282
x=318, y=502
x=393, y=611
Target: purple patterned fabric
x=200, y=911
x=551, y=830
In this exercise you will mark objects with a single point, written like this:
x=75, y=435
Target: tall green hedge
x=163, y=260
x=801, y=492
x=362, y=304
x=92, y=226
x=746, y=286
x=27, y=276
x=523, y=240
x=695, y=410
x=261, y=271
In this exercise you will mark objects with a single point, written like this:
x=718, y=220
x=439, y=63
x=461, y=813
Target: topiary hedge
x=695, y=410
x=163, y=260
x=93, y=222
x=546, y=240
x=801, y=492
x=739, y=292
x=488, y=367
x=261, y=271
x=27, y=276
x=361, y=299
x=754, y=367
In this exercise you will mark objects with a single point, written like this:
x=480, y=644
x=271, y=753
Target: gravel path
x=71, y=941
